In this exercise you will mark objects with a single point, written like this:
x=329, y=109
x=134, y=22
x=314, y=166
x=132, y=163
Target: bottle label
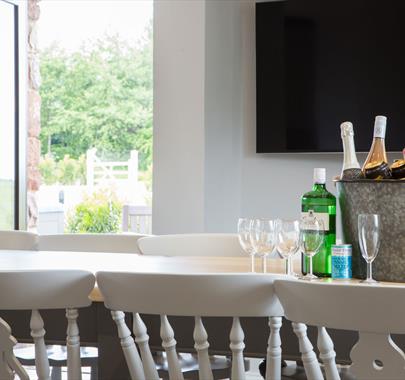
x=341, y=266
x=321, y=216
x=379, y=131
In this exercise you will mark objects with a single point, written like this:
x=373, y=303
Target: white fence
x=100, y=172
x=121, y=177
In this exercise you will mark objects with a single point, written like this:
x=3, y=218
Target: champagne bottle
x=323, y=204
x=351, y=167
x=376, y=164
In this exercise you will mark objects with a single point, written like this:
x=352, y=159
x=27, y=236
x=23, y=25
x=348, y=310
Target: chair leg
x=56, y=373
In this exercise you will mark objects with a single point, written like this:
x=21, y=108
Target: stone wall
x=34, y=115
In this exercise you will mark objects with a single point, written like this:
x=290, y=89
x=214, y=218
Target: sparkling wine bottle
x=323, y=204
x=351, y=167
x=376, y=164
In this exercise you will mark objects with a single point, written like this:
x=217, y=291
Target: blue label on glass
x=341, y=266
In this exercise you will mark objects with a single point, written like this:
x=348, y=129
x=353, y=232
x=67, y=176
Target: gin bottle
x=323, y=204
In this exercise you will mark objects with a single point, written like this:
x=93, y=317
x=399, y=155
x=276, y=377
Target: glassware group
x=262, y=236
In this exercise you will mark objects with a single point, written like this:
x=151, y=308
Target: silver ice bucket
x=386, y=198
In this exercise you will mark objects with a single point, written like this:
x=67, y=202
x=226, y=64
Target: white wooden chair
x=204, y=244
x=137, y=219
x=41, y=289
x=18, y=240
x=374, y=311
x=197, y=295
x=118, y=243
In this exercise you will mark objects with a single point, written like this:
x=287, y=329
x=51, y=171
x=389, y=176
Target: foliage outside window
x=99, y=96
x=99, y=213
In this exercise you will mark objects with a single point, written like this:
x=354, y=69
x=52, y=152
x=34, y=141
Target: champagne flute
x=369, y=241
x=311, y=239
x=263, y=238
x=244, y=240
x=288, y=240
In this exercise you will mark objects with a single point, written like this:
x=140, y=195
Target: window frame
x=21, y=111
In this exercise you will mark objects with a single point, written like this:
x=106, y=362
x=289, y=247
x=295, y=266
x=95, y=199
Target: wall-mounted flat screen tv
x=322, y=62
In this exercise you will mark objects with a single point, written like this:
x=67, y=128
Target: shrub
x=72, y=171
x=48, y=170
x=99, y=213
x=67, y=171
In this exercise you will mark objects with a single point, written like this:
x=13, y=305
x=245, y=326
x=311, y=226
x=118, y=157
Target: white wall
x=178, y=178
x=205, y=124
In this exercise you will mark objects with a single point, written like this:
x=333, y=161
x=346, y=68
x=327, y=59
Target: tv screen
x=322, y=62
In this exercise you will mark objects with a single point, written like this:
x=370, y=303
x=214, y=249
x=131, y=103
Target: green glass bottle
x=323, y=204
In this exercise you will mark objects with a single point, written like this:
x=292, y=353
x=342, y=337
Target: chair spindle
x=128, y=347
x=201, y=345
x=73, y=345
x=311, y=364
x=41, y=357
x=169, y=344
x=237, y=346
x=327, y=354
x=8, y=362
x=142, y=340
x=273, y=361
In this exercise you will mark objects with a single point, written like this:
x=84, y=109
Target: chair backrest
x=45, y=289
x=192, y=245
x=18, y=240
x=118, y=243
x=220, y=294
x=344, y=306
x=198, y=295
x=373, y=311
x=137, y=219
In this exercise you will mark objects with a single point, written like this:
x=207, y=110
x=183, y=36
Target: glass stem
x=310, y=266
x=289, y=266
x=264, y=262
x=252, y=263
x=369, y=271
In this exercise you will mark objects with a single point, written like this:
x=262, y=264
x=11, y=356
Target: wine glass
x=244, y=240
x=369, y=241
x=311, y=239
x=263, y=238
x=288, y=240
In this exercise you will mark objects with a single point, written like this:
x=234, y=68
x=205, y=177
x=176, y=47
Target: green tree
x=99, y=96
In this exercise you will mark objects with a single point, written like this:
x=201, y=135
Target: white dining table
x=131, y=262
x=95, y=261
